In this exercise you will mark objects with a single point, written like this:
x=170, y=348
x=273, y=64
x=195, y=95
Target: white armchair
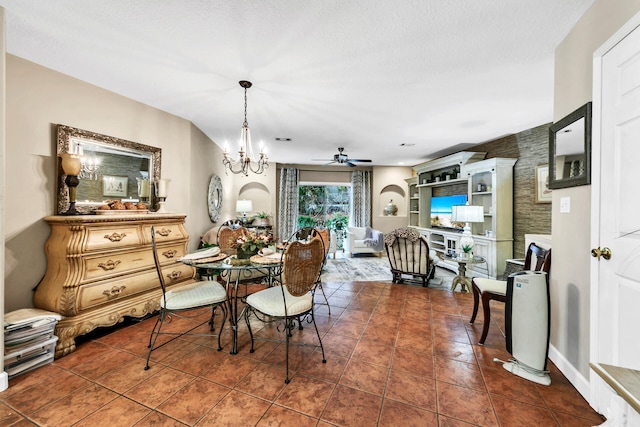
x=364, y=240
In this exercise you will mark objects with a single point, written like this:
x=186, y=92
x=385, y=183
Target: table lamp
x=467, y=214
x=244, y=206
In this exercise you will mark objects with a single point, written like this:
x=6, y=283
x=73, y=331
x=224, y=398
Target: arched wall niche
x=259, y=195
x=396, y=194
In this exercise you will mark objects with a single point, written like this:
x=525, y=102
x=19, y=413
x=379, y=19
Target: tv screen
x=442, y=207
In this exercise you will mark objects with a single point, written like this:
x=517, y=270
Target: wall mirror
x=112, y=169
x=570, y=150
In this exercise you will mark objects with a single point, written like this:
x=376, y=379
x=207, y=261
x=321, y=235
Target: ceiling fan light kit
x=343, y=159
x=245, y=162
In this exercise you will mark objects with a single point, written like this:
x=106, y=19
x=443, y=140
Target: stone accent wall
x=449, y=190
x=531, y=148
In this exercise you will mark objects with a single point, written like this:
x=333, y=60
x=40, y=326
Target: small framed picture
x=543, y=192
x=114, y=186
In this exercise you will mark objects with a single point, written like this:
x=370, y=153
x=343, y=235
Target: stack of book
x=29, y=340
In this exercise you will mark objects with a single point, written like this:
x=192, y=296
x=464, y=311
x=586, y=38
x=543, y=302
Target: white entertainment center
x=487, y=183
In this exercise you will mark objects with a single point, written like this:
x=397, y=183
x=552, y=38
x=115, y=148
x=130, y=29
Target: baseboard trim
x=568, y=370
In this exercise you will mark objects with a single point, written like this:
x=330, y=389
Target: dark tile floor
x=397, y=355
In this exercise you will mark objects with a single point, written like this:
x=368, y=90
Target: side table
x=461, y=279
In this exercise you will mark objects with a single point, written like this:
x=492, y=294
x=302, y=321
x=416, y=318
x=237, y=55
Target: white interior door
x=619, y=277
x=615, y=291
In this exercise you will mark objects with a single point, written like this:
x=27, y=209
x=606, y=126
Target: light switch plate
x=565, y=204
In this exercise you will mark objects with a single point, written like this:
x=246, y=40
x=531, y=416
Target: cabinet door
x=482, y=248
x=452, y=244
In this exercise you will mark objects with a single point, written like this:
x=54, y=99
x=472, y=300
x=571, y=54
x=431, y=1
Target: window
x=319, y=203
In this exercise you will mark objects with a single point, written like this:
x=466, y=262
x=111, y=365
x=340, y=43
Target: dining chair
x=537, y=259
x=228, y=234
x=187, y=302
x=292, y=300
x=324, y=235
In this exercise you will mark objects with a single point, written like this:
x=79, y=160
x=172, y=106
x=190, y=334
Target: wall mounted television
x=441, y=209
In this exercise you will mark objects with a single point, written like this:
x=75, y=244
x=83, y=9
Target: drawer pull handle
x=174, y=275
x=115, y=237
x=170, y=253
x=109, y=265
x=114, y=292
x=164, y=232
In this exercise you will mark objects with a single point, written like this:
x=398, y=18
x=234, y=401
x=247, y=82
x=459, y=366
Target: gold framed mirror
x=111, y=169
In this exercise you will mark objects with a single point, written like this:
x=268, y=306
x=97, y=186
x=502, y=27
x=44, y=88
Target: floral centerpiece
x=250, y=243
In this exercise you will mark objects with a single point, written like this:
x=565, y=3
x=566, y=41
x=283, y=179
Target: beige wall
x=571, y=232
x=389, y=183
x=38, y=99
x=2, y=176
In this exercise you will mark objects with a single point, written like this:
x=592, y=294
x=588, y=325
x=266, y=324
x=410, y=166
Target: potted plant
x=467, y=251
x=306, y=221
x=262, y=219
x=338, y=222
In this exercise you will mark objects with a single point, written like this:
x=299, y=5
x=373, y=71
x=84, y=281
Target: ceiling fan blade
x=348, y=163
x=330, y=163
x=360, y=160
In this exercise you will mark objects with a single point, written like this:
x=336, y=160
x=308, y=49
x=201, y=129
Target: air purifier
x=527, y=318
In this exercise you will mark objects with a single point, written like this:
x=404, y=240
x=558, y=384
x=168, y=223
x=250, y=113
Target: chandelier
x=246, y=160
x=90, y=168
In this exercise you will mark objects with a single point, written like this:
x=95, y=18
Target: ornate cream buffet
x=100, y=268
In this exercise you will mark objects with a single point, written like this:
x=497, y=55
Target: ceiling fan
x=343, y=159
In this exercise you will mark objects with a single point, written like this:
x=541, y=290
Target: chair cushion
x=270, y=302
x=490, y=285
x=196, y=294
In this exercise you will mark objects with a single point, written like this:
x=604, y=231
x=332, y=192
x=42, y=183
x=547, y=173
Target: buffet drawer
x=112, y=238
x=164, y=232
x=105, y=292
x=97, y=267
x=114, y=264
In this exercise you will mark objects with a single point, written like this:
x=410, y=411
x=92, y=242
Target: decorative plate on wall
x=215, y=198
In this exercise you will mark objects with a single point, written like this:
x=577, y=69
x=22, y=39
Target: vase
x=246, y=253
x=390, y=209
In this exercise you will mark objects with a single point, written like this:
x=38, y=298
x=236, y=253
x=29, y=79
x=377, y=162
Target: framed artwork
x=543, y=192
x=114, y=186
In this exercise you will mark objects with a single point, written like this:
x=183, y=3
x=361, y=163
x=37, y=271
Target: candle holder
x=161, y=187
x=71, y=166
x=143, y=189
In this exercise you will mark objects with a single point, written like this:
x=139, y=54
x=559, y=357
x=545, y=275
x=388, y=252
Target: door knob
x=604, y=253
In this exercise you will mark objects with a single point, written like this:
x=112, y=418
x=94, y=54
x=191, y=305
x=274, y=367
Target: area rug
x=357, y=269
x=376, y=269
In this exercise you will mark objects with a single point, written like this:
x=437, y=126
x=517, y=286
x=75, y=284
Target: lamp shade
x=244, y=206
x=467, y=213
x=71, y=164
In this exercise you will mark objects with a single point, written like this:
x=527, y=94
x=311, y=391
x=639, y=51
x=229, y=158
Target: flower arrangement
x=252, y=241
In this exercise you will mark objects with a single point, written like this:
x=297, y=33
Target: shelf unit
x=491, y=186
x=414, y=202
x=488, y=183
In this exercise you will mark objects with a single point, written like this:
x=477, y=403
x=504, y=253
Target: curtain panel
x=360, y=198
x=288, y=205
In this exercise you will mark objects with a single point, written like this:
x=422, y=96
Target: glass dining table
x=233, y=274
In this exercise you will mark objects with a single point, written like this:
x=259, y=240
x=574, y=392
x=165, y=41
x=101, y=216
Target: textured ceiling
x=364, y=75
